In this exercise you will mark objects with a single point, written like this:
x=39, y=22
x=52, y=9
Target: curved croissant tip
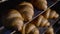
x=48, y=24
x=57, y=15
x=26, y=3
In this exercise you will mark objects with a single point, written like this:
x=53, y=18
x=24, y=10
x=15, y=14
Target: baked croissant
x=14, y=19
x=50, y=14
x=30, y=29
x=26, y=10
x=40, y=4
x=49, y=31
x=41, y=21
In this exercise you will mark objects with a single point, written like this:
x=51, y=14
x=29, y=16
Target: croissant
x=14, y=13
x=30, y=29
x=41, y=21
x=26, y=10
x=49, y=31
x=35, y=31
x=14, y=19
x=50, y=14
x=39, y=4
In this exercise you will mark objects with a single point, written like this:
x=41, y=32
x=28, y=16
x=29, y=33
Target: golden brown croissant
x=14, y=13
x=14, y=19
x=50, y=14
x=49, y=31
x=30, y=29
x=40, y=4
x=41, y=21
x=26, y=10
x=35, y=31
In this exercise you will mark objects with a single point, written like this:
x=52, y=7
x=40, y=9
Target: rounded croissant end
x=29, y=28
x=27, y=14
x=39, y=4
x=27, y=4
x=56, y=15
x=44, y=21
x=34, y=31
x=49, y=31
x=13, y=20
x=16, y=23
x=14, y=13
x=47, y=24
x=52, y=14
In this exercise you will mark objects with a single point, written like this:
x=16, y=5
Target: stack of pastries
x=17, y=17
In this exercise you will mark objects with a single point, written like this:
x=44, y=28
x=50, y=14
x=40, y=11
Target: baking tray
x=12, y=4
